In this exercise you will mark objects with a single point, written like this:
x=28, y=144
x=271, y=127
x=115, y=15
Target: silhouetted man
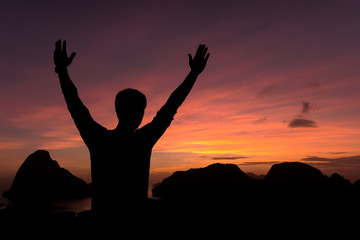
x=120, y=158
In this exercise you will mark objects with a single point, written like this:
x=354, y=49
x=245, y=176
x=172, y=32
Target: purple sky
x=269, y=60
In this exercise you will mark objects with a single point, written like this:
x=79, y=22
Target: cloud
x=268, y=90
x=336, y=153
x=228, y=158
x=305, y=107
x=259, y=163
x=315, y=159
x=311, y=85
x=347, y=166
x=260, y=120
x=353, y=160
x=302, y=123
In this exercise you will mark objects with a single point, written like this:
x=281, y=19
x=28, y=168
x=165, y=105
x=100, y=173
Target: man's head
x=130, y=105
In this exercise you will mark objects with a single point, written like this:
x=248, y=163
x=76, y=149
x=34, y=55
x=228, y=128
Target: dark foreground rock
x=41, y=178
x=218, y=199
x=173, y=219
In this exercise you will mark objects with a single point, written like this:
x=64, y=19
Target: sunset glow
x=272, y=62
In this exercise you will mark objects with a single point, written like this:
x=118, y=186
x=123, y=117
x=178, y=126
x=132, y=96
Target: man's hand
x=61, y=58
x=198, y=63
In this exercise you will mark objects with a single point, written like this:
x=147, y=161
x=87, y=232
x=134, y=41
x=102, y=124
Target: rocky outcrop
x=41, y=177
x=215, y=181
x=291, y=182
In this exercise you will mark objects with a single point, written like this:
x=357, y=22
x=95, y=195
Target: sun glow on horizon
x=278, y=86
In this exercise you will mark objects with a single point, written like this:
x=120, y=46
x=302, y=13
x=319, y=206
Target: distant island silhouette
x=294, y=181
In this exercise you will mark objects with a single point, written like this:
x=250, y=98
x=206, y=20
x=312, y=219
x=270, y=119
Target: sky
x=282, y=82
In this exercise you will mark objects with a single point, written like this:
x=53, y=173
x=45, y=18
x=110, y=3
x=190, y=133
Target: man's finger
x=207, y=57
x=199, y=50
x=72, y=56
x=205, y=51
x=190, y=58
x=64, y=46
x=58, y=45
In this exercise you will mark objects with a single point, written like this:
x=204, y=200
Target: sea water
x=73, y=205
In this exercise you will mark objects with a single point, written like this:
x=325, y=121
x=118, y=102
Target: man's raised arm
x=166, y=114
x=197, y=65
x=77, y=109
x=62, y=61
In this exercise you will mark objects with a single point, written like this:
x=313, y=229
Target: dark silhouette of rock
x=40, y=177
x=341, y=189
x=293, y=173
x=340, y=182
x=289, y=183
x=296, y=182
x=214, y=181
x=357, y=185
